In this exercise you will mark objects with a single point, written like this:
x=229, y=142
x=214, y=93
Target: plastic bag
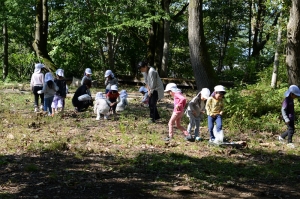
x=219, y=135
x=84, y=97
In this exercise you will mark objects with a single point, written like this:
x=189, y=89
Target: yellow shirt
x=214, y=106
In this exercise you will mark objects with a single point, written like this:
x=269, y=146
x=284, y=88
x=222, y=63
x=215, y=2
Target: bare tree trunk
x=41, y=34
x=5, y=51
x=276, y=59
x=110, y=50
x=250, y=28
x=165, y=56
x=293, y=44
x=201, y=64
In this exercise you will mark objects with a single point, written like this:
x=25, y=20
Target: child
x=110, y=80
x=288, y=113
x=179, y=104
x=214, y=107
x=79, y=100
x=101, y=106
x=49, y=90
x=144, y=91
x=60, y=95
x=123, y=101
x=87, y=75
x=112, y=97
x=36, y=84
x=196, y=110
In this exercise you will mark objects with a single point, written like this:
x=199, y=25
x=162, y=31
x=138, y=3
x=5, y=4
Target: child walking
x=214, y=107
x=60, y=95
x=36, y=84
x=178, y=111
x=288, y=113
x=49, y=90
x=196, y=110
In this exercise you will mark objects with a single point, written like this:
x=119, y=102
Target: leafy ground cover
x=71, y=155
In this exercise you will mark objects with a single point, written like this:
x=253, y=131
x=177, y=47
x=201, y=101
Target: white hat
x=108, y=73
x=60, y=72
x=114, y=88
x=88, y=71
x=219, y=88
x=38, y=67
x=48, y=77
x=171, y=87
x=143, y=89
x=292, y=89
x=123, y=94
x=99, y=95
x=205, y=92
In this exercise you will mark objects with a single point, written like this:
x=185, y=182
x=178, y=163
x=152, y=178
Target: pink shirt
x=37, y=79
x=179, y=101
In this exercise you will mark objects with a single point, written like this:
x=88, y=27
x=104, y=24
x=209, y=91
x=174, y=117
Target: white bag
x=219, y=136
x=84, y=97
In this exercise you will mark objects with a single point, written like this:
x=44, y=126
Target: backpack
x=62, y=91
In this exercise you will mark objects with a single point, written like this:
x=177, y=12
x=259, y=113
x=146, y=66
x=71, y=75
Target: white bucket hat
x=48, y=77
x=143, y=89
x=114, y=88
x=171, y=87
x=108, y=73
x=38, y=67
x=219, y=88
x=88, y=71
x=292, y=89
x=123, y=94
x=99, y=95
x=60, y=72
x=205, y=92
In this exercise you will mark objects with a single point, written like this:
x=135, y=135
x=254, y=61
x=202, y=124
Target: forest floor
x=71, y=155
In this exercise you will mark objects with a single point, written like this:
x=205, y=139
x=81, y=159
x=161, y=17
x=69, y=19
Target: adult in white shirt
x=155, y=88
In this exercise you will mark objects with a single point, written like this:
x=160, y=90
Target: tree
x=276, y=58
x=293, y=44
x=5, y=51
x=203, y=71
x=41, y=33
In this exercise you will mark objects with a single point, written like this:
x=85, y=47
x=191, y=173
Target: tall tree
x=5, y=51
x=41, y=33
x=203, y=70
x=276, y=58
x=293, y=44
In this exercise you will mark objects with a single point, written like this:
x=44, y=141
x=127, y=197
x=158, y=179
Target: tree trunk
x=293, y=44
x=41, y=34
x=151, y=44
x=110, y=51
x=201, y=64
x=165, y=54
x=5, y=51
x=276, y=58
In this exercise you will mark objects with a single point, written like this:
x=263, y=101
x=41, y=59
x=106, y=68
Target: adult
x=110, y=80
x=36, y=84
x=82, y=98
x=87, y=75
x=155, y=88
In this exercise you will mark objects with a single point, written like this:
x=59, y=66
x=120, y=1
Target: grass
x=79, y=154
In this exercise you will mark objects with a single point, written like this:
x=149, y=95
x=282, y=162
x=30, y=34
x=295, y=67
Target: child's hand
x=221, y=112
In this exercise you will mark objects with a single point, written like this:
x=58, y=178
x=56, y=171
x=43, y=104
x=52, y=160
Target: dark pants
x=36, y=95
x=83, y=105
x=290, y=131
x=211, y=120
x=113, y=108
x=153, y=106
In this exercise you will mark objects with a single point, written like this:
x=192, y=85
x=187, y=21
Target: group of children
x=51, y=91
x=195, y=111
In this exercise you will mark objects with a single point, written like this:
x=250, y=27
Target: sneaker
x=98, y=118
x=290, y=145
x=198, y=139
x=36, y=109
x=41, y=107
x=280, y=139
x=105, y=117
x=151, y=121
x=168, y=138
x=211, y=139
